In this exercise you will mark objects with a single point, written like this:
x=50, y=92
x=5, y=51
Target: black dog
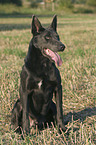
x=40, y=79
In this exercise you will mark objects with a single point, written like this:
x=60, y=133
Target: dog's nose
x=62, y=47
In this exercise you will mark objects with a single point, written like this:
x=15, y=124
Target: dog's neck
x=35, y=60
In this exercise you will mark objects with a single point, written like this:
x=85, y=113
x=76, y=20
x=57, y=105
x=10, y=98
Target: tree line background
x=61, y=3
x=74, y=6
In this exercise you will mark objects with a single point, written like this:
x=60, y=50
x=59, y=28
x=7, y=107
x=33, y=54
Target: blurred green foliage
x=47, y=6
x=17, y=2
x=91, y=2
x=66, y=3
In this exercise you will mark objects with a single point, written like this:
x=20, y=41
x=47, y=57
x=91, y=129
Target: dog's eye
x=47, y=37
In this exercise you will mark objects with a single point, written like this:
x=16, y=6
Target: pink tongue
x=54, y=56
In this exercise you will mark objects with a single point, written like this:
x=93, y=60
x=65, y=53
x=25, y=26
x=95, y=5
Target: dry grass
x=78, y=73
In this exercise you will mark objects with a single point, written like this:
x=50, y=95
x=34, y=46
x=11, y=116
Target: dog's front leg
x=25, y=103
x=58, y=96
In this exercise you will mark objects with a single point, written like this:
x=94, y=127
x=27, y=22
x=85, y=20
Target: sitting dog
x=40, y=80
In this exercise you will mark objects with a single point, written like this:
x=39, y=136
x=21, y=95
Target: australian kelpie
x=40, y=80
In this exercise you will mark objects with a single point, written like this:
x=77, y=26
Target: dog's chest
x=42, y=81
x=39, y=84
x=45, y=84
x=42, y=84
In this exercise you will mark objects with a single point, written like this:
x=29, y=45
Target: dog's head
x=47, y=40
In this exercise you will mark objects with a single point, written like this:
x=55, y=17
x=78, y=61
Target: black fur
x=40, y=79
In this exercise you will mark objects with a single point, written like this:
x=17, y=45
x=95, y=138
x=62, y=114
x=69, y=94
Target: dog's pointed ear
x=54, y=23
x=36, y=26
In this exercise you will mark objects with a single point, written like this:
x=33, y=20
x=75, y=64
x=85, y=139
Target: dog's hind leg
x=16, y=119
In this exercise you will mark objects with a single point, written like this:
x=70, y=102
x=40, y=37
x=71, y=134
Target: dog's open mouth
x=54, y=56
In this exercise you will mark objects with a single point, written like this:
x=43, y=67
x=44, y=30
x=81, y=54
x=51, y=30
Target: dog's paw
x=40, y=122
x=61, y=128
